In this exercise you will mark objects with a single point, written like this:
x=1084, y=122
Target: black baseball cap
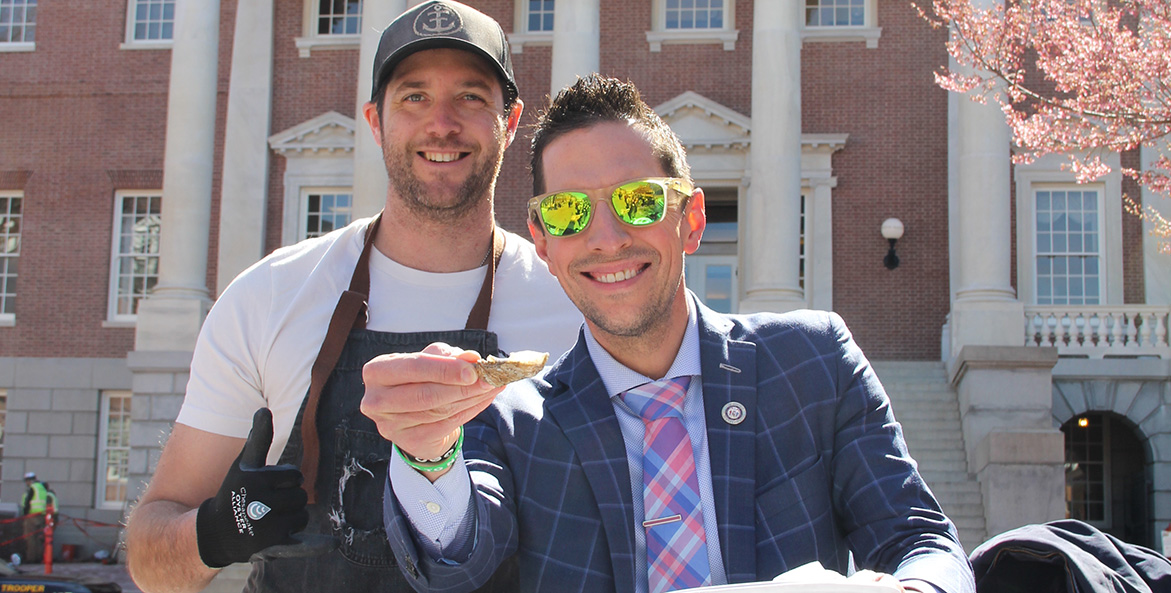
x=444, y=24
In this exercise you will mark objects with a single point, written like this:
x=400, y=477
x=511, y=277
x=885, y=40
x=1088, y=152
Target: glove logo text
x=257, y=510
x=239, y=504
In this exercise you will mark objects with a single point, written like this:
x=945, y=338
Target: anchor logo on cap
x=437, y=20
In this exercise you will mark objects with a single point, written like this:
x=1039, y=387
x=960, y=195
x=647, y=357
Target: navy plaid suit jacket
x=818, y=468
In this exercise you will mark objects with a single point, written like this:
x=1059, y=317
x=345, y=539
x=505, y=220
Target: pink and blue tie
x=676, y=545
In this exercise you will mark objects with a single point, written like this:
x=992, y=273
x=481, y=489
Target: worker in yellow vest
x=36, y=501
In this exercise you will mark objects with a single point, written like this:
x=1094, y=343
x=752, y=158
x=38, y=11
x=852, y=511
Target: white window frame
x=521, y=36
x=696, y=275
x=660, y=35
x=3, y=423
x=9, y=319
x=1096, y=189
x=310, y=40
x=868, y=32
x=104, y=448
x=319, y=153
x=720, y=246
x=131, y=25
x=1046, y=173
x=306, y=192
x=113, y=317
x=22, y=45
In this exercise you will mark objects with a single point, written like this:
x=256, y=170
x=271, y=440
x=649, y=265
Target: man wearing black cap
x=285, y=344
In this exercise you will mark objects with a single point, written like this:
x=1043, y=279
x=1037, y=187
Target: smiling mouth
x=442, y=157
x=617, y=276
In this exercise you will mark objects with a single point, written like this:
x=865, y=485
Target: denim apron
x=344, y=458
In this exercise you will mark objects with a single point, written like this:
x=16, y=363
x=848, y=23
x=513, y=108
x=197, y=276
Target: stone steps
x=928, y=409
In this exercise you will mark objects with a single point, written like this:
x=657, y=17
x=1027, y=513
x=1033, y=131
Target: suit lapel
x=582, y=408
x=729, y=378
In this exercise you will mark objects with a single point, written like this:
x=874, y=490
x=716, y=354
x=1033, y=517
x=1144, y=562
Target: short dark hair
x=598, y=99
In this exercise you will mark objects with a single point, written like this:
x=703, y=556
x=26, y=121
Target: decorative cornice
x=724, y=127
x=324, y=135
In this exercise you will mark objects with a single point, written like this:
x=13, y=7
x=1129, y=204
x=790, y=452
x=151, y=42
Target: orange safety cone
x=49, y=540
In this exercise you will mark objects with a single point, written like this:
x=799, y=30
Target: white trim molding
x=660, y=35
x=868, y=31
x=318, y=153
x=1051, y=171
x=310, y=40
x=718, y=143
x=521, y=36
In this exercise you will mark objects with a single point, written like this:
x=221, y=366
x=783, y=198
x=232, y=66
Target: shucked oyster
x=521, y=364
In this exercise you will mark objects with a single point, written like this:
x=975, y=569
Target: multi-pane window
x=694, y=14
x=1068, y=247
x=338, y=17
x=801, y=255
x=18, y=21
x=114, y=449
x=835, y=13
x=3, y=423
x=539, y=15
x=10, y=217
x=712, y=271
x=135, y=267
x=1085, y=469
x=152, y=20
x=326, y=211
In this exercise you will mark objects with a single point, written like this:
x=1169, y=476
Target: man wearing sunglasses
x=283, y=348
x=673, y=447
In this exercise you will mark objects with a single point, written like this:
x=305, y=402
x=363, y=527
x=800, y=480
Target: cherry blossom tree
x=1077, y=77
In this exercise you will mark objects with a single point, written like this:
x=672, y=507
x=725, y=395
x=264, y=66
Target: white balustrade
x=1097, y=331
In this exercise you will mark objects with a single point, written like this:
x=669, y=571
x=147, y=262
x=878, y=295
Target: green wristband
x=437, y=465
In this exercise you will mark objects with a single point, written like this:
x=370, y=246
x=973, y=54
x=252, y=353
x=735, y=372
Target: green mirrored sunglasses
x=637, y=202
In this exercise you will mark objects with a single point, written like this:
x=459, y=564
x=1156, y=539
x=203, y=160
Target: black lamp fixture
x=892, y=231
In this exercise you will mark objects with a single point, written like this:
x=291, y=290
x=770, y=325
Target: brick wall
x=894, y=165
x=92, y=120
x=81, y=114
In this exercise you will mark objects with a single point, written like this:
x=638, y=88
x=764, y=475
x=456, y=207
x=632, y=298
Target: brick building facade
x=108, y=101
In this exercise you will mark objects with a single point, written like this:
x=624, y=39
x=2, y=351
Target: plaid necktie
x=676, y=546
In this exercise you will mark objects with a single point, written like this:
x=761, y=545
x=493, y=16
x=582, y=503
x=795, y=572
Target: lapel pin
x=733, y=413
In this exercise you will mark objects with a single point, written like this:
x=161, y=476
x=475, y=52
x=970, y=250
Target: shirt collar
x=618, y=378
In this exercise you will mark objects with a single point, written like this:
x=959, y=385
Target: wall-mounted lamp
x=892, y=230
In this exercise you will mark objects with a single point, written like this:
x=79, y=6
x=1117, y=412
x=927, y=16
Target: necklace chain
x=486, y=254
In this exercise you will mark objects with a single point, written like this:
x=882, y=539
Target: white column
x=985, y=310
x=370, y=180
x=1156, y=265
x=819, y=254
x=774, y=197
x=576, y=43
x=244, y=194
x=170, y=318
x=1004, y=388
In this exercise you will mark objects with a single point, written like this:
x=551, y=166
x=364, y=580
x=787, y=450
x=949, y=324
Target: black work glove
x=257, y=506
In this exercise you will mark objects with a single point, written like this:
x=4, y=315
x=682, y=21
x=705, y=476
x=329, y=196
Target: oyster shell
x=521, y=364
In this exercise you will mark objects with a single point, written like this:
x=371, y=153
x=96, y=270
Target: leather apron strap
x=352, y=312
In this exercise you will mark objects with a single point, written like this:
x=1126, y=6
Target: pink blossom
x=1077, y=77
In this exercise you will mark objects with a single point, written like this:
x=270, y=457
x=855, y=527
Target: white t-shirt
x=260, y=339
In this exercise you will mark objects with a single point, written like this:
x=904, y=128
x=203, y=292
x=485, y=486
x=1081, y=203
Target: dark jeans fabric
x=351, y=478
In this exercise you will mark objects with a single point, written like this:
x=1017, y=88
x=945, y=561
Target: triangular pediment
x=699, y=121
x=330, y=132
